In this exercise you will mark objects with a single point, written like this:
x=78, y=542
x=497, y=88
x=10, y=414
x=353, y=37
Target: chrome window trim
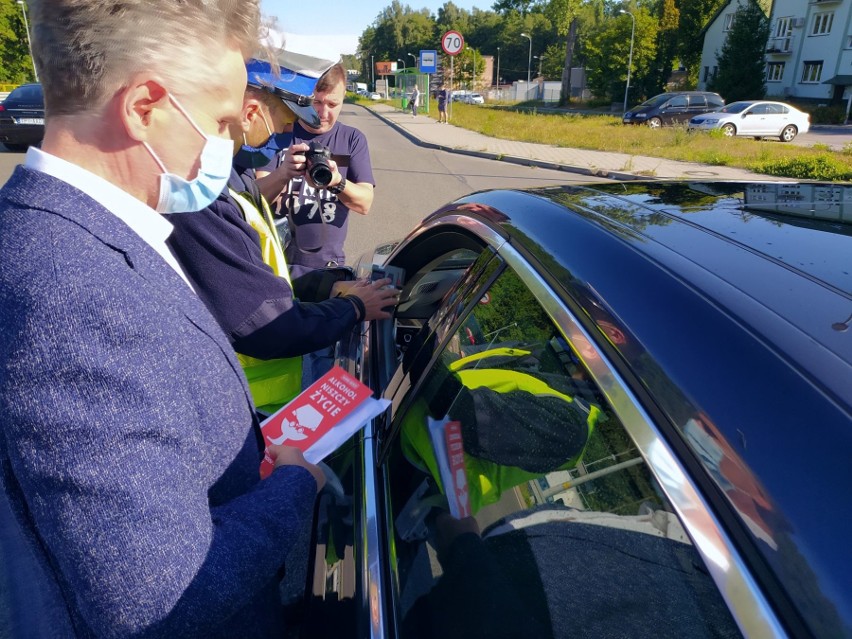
x=370, y=551
x=750, y=609
x=479, y=229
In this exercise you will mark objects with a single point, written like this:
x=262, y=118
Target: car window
x=715, y=101
x=777, y=108
x=520, y=505
x=760, y=109
x=678, y=101
x=29, y=93
x=697, y=101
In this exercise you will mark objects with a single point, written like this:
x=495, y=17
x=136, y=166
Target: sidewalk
x=425, y=131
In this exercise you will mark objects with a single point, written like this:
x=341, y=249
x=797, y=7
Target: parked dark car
x=673, y=108
x=22, y=117
x=642, y=395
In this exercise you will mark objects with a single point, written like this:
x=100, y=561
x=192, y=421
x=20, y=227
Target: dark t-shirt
x=442, y=99
x=319, y=220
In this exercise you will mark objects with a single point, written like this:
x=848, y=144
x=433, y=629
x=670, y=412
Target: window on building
x=812, y=71
x=774, y=71
x=706, y=74
x=783, y=27
x=729, y=21
x=822, y=23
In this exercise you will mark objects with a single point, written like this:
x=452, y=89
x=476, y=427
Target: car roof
x=737, y=304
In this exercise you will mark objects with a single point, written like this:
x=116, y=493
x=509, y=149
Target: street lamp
x=414, y=57
x=29, y=43
x=498, y=68
x=630, y=58
x=539, y=58
x=529, y=59
x=473, y=73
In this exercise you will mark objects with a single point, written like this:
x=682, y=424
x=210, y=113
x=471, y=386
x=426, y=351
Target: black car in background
x=673, y=108
x=621, y=410
x=22, y=117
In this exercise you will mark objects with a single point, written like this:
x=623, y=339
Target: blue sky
x=342, y=21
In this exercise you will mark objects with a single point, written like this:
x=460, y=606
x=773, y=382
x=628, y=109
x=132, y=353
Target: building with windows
x=809, y=52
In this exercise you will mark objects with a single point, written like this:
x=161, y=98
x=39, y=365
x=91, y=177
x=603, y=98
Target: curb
x=613, y=175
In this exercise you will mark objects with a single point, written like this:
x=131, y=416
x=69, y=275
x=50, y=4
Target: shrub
x=815, y=167
x=828, y=115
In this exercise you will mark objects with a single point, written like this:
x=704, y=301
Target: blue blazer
x=130, y=502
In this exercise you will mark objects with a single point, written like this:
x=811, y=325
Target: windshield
x=735, y=107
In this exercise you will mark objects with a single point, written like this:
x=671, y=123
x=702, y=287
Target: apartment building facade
x=809, y=51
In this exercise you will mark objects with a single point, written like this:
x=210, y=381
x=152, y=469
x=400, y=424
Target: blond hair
x=85, y=50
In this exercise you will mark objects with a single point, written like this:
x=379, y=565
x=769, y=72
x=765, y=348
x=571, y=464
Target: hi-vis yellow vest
x=272, y=382
x=486, y=480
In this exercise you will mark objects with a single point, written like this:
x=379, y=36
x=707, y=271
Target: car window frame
x=746, y=602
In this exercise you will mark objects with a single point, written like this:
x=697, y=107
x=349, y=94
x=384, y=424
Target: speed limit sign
x=452, y=42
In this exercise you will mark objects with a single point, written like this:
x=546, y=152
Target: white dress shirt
x=152, y=227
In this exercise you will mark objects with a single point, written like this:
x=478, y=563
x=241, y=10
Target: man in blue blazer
x=131, y=503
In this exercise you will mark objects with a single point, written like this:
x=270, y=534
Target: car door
x=697, y=105
x=517, y=501
x=755, y=121
x=676, y=110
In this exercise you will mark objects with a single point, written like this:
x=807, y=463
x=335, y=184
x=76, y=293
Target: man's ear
x=140, y=105
x=251, y=111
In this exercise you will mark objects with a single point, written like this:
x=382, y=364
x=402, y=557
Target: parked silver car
x=755, y=118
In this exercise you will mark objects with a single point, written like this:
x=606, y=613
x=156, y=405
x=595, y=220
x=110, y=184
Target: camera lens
x=320, y=173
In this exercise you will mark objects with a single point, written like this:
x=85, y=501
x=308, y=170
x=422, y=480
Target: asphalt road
x=412, y=181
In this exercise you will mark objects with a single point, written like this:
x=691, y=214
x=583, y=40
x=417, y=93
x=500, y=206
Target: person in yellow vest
x=515, y=427
x=233, y=258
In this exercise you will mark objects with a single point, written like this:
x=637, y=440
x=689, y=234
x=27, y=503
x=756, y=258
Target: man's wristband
x=338, y=188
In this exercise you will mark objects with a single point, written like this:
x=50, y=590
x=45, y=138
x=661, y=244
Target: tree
x=608, y=50
x=661, y=69
x=563, y=14
x=694, y=15
x=15, y=62
x=741, y=74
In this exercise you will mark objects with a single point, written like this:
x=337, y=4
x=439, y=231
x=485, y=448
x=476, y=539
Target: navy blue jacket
x=220, y=254
x=129, y=456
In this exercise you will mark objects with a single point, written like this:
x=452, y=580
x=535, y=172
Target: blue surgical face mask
x=255, y=157
x=178, y=195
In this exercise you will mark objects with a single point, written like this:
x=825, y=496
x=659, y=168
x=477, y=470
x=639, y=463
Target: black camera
x=317, y=157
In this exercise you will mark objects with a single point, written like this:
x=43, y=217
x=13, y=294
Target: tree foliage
x=741, y=74
x=567, y=33
x=608, y=53
x=15, y=62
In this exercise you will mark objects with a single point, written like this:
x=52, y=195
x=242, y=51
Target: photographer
x=319, y=215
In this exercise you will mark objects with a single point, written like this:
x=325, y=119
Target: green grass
x=607, y=133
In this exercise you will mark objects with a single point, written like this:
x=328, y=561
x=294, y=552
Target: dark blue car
x=617, y=411
x=22, y=117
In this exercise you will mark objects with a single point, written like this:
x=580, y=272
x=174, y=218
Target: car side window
x=520, y=505
x=714, y=102
x=677, y=102
x=697, y=102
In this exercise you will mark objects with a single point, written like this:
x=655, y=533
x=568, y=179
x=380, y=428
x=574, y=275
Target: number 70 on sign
x=452, y=42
